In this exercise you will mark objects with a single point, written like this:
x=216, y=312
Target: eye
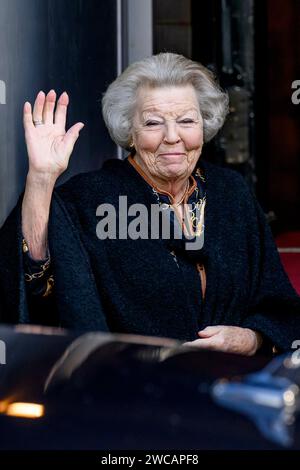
x=152, y=123
x=186, y=121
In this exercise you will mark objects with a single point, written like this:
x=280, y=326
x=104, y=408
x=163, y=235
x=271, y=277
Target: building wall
x=283, y=158
x=172, y=26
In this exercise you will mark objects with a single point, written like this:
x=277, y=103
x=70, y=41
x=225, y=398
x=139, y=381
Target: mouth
x=169, y=154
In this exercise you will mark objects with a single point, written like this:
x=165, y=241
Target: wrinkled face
x=167, y=131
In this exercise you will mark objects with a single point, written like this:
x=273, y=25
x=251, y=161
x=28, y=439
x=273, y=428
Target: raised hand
x=49, y=146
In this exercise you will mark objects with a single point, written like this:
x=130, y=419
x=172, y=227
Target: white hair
x=162, y=70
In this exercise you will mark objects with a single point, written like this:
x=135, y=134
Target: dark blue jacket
x=135, y=286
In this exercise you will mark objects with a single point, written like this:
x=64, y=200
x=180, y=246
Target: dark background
x=62, y=44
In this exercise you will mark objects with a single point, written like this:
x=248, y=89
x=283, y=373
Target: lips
x=171, y=153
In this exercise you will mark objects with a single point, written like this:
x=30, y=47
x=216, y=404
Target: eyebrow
x=155, y=110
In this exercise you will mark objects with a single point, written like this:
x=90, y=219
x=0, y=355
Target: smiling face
x=167, y=132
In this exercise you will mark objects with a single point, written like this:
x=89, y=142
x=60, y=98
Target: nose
x=171, y=133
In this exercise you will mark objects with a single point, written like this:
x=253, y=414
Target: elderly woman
x=75, y=257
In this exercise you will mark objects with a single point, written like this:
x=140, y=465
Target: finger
x=204, y=343
x=71, y=136
x=27, y=117
x=210, y=331
x=48, y=109
x=61, y=110
x=38, y=106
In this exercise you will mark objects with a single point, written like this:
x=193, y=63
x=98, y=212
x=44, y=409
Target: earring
x=131, y=145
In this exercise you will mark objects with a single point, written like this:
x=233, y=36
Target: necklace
x=184, y=194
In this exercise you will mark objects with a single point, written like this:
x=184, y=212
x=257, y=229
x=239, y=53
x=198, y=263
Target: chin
x=174, y=170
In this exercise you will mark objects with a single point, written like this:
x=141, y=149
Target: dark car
x=98, y=391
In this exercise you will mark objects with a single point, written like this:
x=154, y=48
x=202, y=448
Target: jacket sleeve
x=75, y=302
x=274, y=306
x=13, y=302
x=38, y=273
x=21, y=302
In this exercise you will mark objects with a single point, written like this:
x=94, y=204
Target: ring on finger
x=38, y=122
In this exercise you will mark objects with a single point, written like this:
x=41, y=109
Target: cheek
x=148, y=141
x=193, y=140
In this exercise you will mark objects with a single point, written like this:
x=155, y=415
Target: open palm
x=49, y=146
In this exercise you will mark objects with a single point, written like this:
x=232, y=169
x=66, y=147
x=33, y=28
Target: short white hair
x=162, y=70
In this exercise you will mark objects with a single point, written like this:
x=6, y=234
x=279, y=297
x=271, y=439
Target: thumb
x=71, y=136
x=209, y=331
